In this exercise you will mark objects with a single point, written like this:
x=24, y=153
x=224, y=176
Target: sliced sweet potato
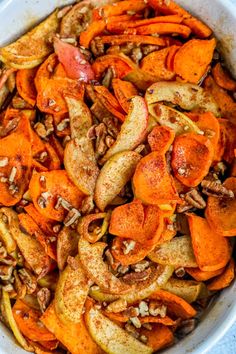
x=56, y=184
x=155, y=64
x=222, y=78
x=31, y=49
x=171, y=57
x=67, y=245
x=159, y=337
x=30, y=248
x=164, y=28
x=80, y=164
x=152, y=182
x=28, y=321
x=127, y=5
x=189, y=290
x=221, y=214
x=135, y=221
x=223, y=280
x=45, y=224
x=97, y=270
x=133, y=130
x=225, y=102
x=171, y=8
x=25, y=85
x=175, y=305
x=92, y=31
x=188, y=96
x=161, y=138
x=76, y=340
x=124, y=91
x=29, y=226
x=124, y=38
x=45, y=70
x=192, y=157
x=201, y=275
x=228, y=136
x=212, y=251
x=136, y=255
x=71, y=292
x=177, y=252
x=57, y=146
x=121, y=65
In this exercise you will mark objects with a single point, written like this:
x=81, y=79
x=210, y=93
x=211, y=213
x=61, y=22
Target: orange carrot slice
x=211, y=250
x=121, y=39
x=93, y=30
x=164, y=28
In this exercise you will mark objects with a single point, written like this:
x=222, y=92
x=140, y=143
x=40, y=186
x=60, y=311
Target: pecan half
x=43, y=297
x=134, y=277
x=97, y=47
x=216, y=189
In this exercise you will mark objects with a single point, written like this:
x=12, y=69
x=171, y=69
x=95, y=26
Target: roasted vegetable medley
x=117, y=178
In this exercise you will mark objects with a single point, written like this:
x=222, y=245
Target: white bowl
x=16, y=16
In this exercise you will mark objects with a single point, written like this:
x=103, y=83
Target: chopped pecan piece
x=97, y=47
x=194, y=198
x=134, y=277
x=216, y=189
x=43, y=297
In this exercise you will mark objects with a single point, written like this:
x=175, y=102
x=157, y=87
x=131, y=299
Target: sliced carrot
x=164, y=28
x=93, y=30
x=221, y=214
x=121, y=39
x=44, y=223
x=143, y=224
x=124, y=91
x=222, y=78
x=228, y=133
x=28, y=321
x=137, y=254
x=119, y=27
x=197, y=27
x=56, y=184
x=18, y=161
x=122, y=18
x=211, y=250
x=171, y=57
x=25, y=84
x=50, y=98
x=123, y=7
x=76, y=340
x=210, y=125
x=200, y=275
x=30, y=226
x=120, y=64
x=155, y=64
x=193, y=58
x=167, y=321
x=191, y=158
x=161, y=138
x=175, y=305
x=225, y=102
x=152, y=182
x=223, y=280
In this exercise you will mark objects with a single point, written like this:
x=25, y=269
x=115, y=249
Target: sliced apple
x=177, y=252
x=112, y=338
x=173, y=119
x=133, y=130
x=139, y=292
x=113, y=176
x=189, y=290
x=187, y=96
x=5, y=235
x=82, y=169
x=31, y=49
x=91, y=257
x=71, y=292
x=67, y=245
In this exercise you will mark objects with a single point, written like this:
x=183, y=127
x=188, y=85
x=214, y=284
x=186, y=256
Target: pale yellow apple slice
x=133, y=130
x=113, y=176
x=187, y=96
x=177, y=252
x=71, y=292
x=91, y=257
x=112, y=338
x=31, y=49
x=67, y=245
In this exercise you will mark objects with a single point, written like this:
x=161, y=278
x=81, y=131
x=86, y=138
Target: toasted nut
x=117, y=306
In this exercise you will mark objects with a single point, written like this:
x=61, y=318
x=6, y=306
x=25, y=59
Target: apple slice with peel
x=81, y=168
x=113, y=176
x=133, y=130
x=112, y=338
x=187, y=96
x=91, y=257
x=71, y=292
x=173, y=119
